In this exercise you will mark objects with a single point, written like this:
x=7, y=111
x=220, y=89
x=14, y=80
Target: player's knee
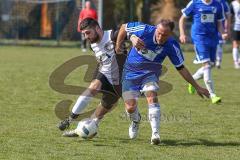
x=94, y=87
x=130, y=109
x=207, y=65
x=207, y=80
x=151, y=97
x=130, y=105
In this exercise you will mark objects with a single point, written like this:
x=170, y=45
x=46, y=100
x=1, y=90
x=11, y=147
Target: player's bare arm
x=227, y=24
x=182, y=37
x=221, y=30
x=188, y=77
x=120, y=38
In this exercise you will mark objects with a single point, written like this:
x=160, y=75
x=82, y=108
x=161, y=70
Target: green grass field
x=191, y=128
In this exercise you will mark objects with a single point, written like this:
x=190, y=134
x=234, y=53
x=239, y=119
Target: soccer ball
x=87, y=129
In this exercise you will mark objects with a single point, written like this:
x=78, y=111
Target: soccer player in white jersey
x=107, y=75
x=207, y=22
x=151, y=45
x=226, y=26
x=235, y=10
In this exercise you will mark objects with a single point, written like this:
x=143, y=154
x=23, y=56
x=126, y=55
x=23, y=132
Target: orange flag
x=46, y=28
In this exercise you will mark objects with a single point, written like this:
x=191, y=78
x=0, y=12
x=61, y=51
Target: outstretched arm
x=182, y=37
x=227, y=24
x=188, y=77
x=221, y=30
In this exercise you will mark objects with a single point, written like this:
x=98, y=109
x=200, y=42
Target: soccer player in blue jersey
x=151, y=45
x=207, y=22
x=226, y=26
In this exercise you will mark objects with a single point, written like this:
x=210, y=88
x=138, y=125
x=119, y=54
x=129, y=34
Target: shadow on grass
x=98, y=142
x=198, y=142
x=189, y=143
x=108, y=142
x=127, y=140
x=105, y=145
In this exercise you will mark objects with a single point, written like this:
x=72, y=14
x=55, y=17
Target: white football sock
x=199, y=74
x=97, y=120
x=154, y=117
x=235, y=55
x=219, y=54
x=208, y=80
x=81, y=104
x=134, y=116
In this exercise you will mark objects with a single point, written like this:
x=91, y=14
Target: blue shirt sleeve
x=136, y=28
x=220, y=12
x=175, y=54
x=226, y=7
x=188, y=11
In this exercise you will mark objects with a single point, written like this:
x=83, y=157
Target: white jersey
x=105, y=55
x=235, y=9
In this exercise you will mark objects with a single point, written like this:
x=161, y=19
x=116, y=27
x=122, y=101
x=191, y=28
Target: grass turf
x=191, y=128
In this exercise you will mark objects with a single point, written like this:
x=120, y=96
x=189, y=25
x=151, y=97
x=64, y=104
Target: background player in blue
x=207, y=22
x=151, y=45
x=226, y=26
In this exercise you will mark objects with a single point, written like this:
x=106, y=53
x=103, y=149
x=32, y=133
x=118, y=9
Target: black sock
x=73, y=116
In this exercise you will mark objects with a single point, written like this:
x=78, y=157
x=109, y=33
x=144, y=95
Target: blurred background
x=54, y=22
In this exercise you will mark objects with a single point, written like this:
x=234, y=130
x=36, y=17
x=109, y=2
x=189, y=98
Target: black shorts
x=110, y=93
x=236, y=35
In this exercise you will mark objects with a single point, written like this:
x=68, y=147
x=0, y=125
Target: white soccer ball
x=87, y=129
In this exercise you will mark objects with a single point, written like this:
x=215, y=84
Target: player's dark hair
x=167, y=23
x=88, y=23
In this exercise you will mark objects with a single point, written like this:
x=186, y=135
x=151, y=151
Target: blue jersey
x=205, y=20
x=148, y=61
